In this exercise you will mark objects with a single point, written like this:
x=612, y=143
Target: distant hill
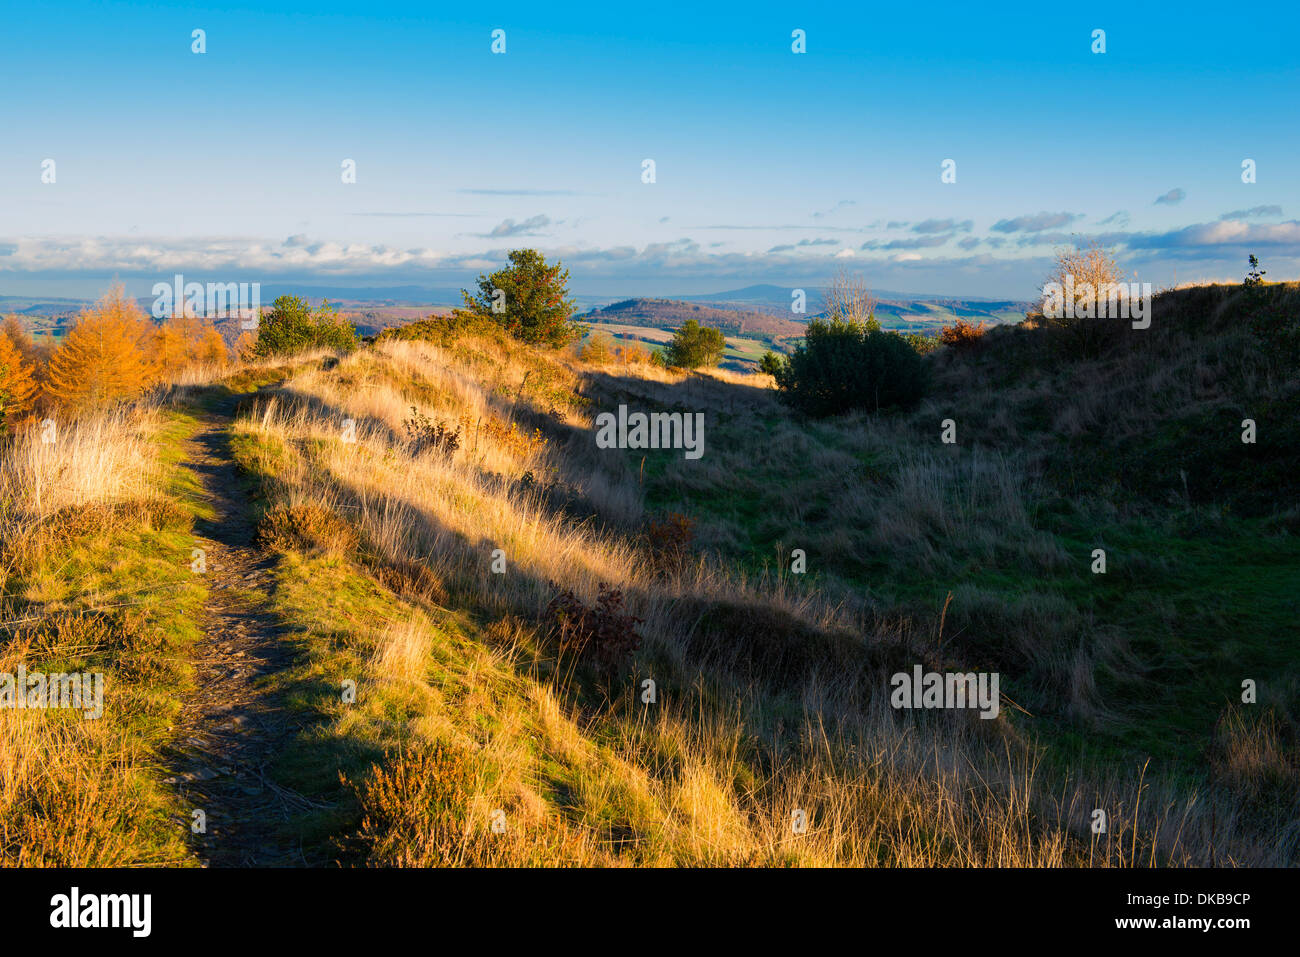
x=763, y=322
x=776, y=299
x=40, y=306
x=926, y=315
x=671, y=313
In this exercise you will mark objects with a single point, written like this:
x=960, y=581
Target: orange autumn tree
x=169, y=346
x=185, y=340
x=35, y=354
x=210, y=348
x=21, y=338
x=101, y=360
x=245, y=347
x=17, y=389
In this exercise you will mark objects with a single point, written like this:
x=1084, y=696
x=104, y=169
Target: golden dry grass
x=771, y=694
x=77, y=791
x=750, y=726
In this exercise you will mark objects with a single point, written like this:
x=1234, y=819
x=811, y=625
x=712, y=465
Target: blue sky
x=771, y=167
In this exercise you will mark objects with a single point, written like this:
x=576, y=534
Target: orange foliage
x=211, y=348
x=18, y=335
x=101, y=360
x=114, y=352
x=184, y=341
x=962, y=334
x=17, y=389
x=516, y=441
x=245, y=347
x=633, y=353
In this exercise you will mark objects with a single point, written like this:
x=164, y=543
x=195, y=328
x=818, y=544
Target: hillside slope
x=438, y=536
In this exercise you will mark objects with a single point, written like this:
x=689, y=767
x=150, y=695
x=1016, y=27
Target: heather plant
x=424, y=434
x=668, y=539
x=962, y=334
x=603, y=634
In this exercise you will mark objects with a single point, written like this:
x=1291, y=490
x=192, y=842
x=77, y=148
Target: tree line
x=112, y=351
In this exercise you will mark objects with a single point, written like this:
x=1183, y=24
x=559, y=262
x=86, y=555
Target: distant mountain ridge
x=773, y=298
x=757, y=319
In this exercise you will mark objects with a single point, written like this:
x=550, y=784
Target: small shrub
x=962, y=334
x=674, y=530
x=1255, y=278
x=512, y=438
x=414, y=808
x=694, y=345
x=306, y=528
x=669, y=540
x=443, y=331
x=922, y=343
x=604, y=636
x=424, y=434
x=844, y=365
x=633, y=354
x=599, y=349
x=292, y=326
x=771, y=363
x=333, y=331
x=1269, y=315
x=409, y=579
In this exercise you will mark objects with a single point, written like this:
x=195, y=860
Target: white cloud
x=528, y=227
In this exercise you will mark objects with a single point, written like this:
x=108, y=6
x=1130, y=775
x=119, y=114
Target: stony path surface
x=233, y=727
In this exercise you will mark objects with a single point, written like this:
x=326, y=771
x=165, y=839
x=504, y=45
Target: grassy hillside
x=750, y=332
x=439, y=682
x=928, y=315
x=671, y=313
x=740, y=354
x=651, y=322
